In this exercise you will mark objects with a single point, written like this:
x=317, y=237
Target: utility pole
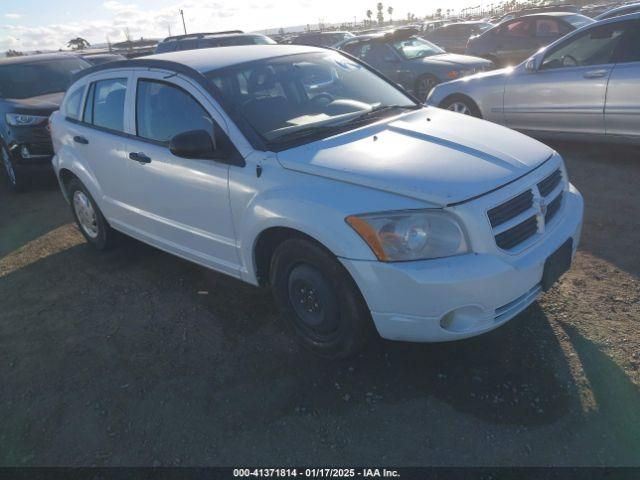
x=184, y=25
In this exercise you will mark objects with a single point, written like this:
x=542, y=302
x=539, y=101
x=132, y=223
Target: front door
x=567, y=92
x=182, y=205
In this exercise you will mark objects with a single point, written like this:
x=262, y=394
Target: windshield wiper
x=319, y=130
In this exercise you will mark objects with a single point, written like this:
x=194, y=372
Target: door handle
x=139, y=157
x=81, y=140
x=595, y=74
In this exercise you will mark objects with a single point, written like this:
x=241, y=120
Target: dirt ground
x=136, y=357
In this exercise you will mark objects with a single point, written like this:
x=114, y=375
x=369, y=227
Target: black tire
x=496, y=62
x=16, y=179
x=106, y=236
x=449, y=103
x=320, y=300
x=424, y=85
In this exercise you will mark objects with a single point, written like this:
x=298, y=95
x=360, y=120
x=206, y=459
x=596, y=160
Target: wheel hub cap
x=86, y=214
x=8, y=166
x=460, y=107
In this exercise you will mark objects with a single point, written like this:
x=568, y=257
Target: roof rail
x=200, y=35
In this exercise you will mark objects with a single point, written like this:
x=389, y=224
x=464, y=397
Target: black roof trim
x=199, y=35
x=252, y=136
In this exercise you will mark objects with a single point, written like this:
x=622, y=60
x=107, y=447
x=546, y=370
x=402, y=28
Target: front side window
x=628, y=49
x=41, y=77
x=299, y=93
x=105, y=104
x=549, y=27
x=164, y=111
x=593, y=47
x=414, y=47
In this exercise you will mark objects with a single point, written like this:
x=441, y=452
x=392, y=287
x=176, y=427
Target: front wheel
x=463, y=105
x=320, y=300
x=17, y=182
x=424, y=85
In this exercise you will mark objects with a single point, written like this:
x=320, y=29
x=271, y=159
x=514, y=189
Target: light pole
x=184, y=25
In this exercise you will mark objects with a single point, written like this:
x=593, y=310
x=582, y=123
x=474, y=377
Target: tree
x=369, y=14
x=78, y=43
x=390, y=12
x=14, y=53
x=439, y=13
x=380, y=15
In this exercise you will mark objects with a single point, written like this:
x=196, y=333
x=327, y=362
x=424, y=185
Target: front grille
x=525, y=205
x=548, y=185
x=510, y=209
x=553, y=208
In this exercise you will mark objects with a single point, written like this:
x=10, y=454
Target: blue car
x=412, y=62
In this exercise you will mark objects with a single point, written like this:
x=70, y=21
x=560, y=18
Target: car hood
x=40, y=105
x=456, y=60
x=432, y=155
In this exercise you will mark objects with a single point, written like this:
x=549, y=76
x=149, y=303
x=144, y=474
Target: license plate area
x=557, y=265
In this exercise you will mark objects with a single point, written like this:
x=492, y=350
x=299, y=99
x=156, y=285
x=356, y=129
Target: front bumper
x=463, y=296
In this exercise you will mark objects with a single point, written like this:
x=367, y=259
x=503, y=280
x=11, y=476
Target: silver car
x=584, y=85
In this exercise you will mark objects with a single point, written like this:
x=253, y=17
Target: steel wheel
x=8, y=166
x=460, y=107
x=314, y=303
x=85, y=214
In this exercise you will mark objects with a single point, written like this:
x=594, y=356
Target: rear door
x=622, y=108
x=182, y=205
x=99, y=138
x=567, y=93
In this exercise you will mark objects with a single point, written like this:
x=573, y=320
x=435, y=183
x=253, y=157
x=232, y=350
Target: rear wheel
x=89, y=218
x=461, y=104
x=320, y=300
x=16, y=180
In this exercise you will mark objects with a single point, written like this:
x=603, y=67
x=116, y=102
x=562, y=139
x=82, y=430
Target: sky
x=48, y=24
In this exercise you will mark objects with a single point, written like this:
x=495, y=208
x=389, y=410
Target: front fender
x=312, y=205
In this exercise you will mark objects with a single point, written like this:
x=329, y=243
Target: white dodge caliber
x=303, y=169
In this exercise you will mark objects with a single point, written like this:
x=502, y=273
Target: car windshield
x=578, y=20
x=305, y=93
x=25, y=80
x=414, y=47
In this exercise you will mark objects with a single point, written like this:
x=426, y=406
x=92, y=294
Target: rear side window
x=105, y=104
x=628, y=49
x=163, y=111
x=73, y=103
x=517, y=28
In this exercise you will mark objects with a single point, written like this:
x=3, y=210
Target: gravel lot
x=135, y=357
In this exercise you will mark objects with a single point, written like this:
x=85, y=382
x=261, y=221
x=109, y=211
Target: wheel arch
x=453, y=96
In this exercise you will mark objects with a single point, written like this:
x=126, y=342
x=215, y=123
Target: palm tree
x=78, y=44
x=380, y=15
x=390, y=12
x=369, y=14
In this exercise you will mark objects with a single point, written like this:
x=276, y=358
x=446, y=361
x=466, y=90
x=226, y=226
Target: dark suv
x=31, y=88
x=210, y=40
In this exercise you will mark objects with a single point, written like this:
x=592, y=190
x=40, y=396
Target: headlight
x=410, y=234
x=21, y=120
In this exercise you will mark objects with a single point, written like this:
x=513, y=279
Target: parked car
x=321, y=39
x=210, y=40
x=618, y=11
x=413, y=62
x=539, y=9
x=431, y=25
x=360, y=207
x=454, y=37
x=514, y=40
x=100, y=58
x=582, y=86
x=31, y=87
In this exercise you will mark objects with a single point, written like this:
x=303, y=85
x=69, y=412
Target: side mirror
x=194, y=144
x=532, y=64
